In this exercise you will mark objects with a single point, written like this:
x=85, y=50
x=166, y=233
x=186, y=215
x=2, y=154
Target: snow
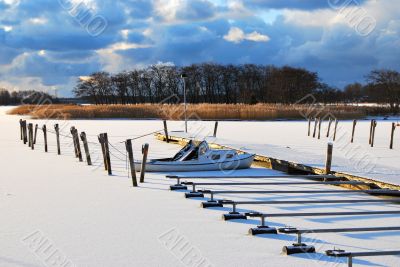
x=92, y=219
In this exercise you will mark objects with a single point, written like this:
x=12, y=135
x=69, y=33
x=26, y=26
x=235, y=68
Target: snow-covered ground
x=288, y=140
x=55, y=206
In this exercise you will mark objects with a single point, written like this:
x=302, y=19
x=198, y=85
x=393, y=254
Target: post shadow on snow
x=355, y=217
x=348, y=206
x=318, y=256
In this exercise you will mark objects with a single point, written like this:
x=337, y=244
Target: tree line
x=248, y=84
x=25, y=97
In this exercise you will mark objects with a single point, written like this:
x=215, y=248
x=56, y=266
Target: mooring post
x=25, y=132
x=309, y=126
x=334, y=133
x=57, y=129
x=145, y=151
x=101, y=141
x=370, y=132
x=315, y=127
x=34, y=139
x=72, y=130
x=328, y=163
x=107, y=152
x=373, y=133
x=319, y=128
x=392, y=135
x=166, y=131
x=20, y=129
x=354, y=129
x=215, y=129
x=129, y=150
x=86, y=147
x=30, y=126
x=44, y=128
x=329, y=127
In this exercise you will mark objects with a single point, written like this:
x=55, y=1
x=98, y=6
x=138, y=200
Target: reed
x=195, y=111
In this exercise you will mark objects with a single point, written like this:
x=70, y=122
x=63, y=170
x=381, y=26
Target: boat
x=200, y=157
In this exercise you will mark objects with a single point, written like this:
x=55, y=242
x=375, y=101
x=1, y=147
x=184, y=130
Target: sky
x=48, y=44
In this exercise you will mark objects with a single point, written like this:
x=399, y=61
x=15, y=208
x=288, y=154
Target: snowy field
x=53, y=206
x=288, y=140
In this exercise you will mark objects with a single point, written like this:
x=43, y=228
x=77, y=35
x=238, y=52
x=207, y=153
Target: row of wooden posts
x=371, y=140
x=28, y=135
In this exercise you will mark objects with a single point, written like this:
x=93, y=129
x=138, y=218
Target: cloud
x=237, y=35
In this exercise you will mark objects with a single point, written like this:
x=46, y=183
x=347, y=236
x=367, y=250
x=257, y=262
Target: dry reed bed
x=195, y=111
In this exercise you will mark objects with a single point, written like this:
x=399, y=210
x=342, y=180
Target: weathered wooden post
x=86, y=147
x=315, y=127
x=353, y=131
x=103, y=150
x=44, y=128
x=166, y=131
x=78, y=145
x=107, y=153
x=72, y=130
x=30, y=135
x=392, y=135
x=370, y=131
x=145, y=151
x=36, y=129
x=21, y=130
x=215, y=129
x=328, y=164
x=309, y=126
x=128, y=145
x=57, y=129
x=329, y=127
x=373, y=133
x=25, y=132
x=334, y=133
x=319, y=128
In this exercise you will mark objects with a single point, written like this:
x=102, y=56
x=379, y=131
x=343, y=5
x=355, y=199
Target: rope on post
x=86, y=147
x=145, y=151
x=128, y=145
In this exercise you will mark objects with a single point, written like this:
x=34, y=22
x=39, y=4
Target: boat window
x=229, y=156
x=215, y=157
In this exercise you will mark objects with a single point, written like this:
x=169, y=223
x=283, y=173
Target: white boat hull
x=244, y=161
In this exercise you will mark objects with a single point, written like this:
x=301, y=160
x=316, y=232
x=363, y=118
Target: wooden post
x=354, y=129
x=107, y=153
x=128, y=145
x=21, y=130
x=103, y=150
x=166, y=131
x=57, y=129
x=373, y=133
x=78, y=145
x=392, y=135
x=319, y=128
x=215, y=129
x=145, y=151
x=334, y=133
x=86, y=147
x=328, y=163
x=370, y=132
x=309, y=126
x=30, y=134
x=329, y=127
x=44, y=128
x=25, y=132
x=315, y=127
x=36, y=129
x=72, y=130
